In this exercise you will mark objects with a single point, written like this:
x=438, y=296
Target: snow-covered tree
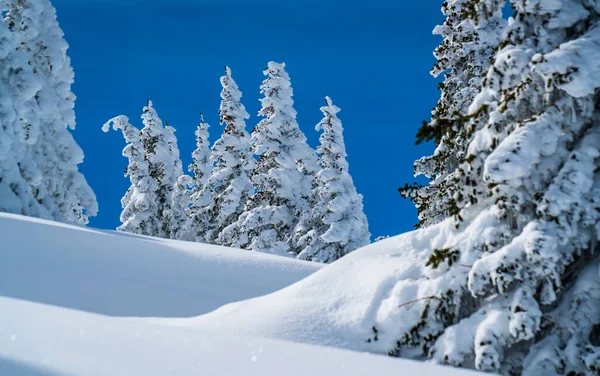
x=197, y=224
x=177, y=213
x=338, y=224
x=158, y=185
x=228, y=187
x=139, y=203
x=281, y=189
x=19, y=175
x=517, y=291
x=162, y=154
x=44, y=113
x=201, y=165
x=180, y=208
x=463, y=56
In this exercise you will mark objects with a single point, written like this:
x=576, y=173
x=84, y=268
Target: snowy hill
x=367, y=300
x=42, y=340
x=127, y=275
x=339, y=305
x=61, y=287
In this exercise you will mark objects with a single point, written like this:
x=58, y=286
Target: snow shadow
x=11, y=367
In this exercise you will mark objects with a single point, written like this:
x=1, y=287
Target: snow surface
x=337, y=306
x=41, y=340
x=120, y=274
x=62, y=288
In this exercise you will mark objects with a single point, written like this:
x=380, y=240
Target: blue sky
x=372, y=58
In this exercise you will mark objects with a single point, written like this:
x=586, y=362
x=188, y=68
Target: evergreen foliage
x=281, y=189
x=229, y=182
x=337, y=224
x=524, y=289
x=40, y=176
x=197, y=223
x=164, y=166
x=139, y=202
x=201, y=166
x=463, y=56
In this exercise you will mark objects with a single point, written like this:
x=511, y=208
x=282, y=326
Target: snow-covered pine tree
x=180, y=207
x=177, y=214
x=201, y=165
x=517, y=290
x=229, y=185
x=19, y=175
x=197, y=223
x=174, y=160
x=164, y=165
x=463, y=56
x=139, y=203
x=46, y=116
x=281, y=189
x=338, y=224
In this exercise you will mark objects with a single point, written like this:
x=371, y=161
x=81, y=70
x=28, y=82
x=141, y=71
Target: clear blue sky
x=372, y=58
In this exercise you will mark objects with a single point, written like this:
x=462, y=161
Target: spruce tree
x=20, y=177
x=463, y=57
x=163, y=164
x=139, y=202
x=177, y=211
x=517, y=291
x=180, y=208
x=338, y=224
x=197, y=223
x=45, y=114
x=201, y=165
x=281, y=189
x=229, y=185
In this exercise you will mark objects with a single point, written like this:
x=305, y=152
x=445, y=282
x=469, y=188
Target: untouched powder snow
x=384, y=286
x=41, y=340
x=121, y=274
x=51, y=273
x=336, y=306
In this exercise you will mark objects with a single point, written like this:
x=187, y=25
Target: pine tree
x=463, y=56
x=197, y=224
x=45, y=116
x=163, y=164
x=229, y=185
x=19, y=175
x=179, y=200
x=521, y=281
x=180, y=208
x=338, y=224
x=139, y=203
x=281, y=189
x=201, y=165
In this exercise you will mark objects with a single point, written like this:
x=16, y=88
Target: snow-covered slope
x=41, y=340
x=126, y=275
x=50, y=274
x=336, y=306
x=384, y=286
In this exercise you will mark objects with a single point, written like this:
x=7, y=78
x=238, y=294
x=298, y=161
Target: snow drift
x=370, y=299
x=41, y=340
x=51, y=273
x=128, y=275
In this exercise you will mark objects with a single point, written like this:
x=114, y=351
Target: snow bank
x=128, y=275
x=339, y=305
x=41, y=340
x=51, y=273
x=364, y=301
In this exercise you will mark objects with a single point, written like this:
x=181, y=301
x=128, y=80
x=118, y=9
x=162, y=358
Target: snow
x=63, y=293
x=41, y=340
x=339, y=305
x=121, y=274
